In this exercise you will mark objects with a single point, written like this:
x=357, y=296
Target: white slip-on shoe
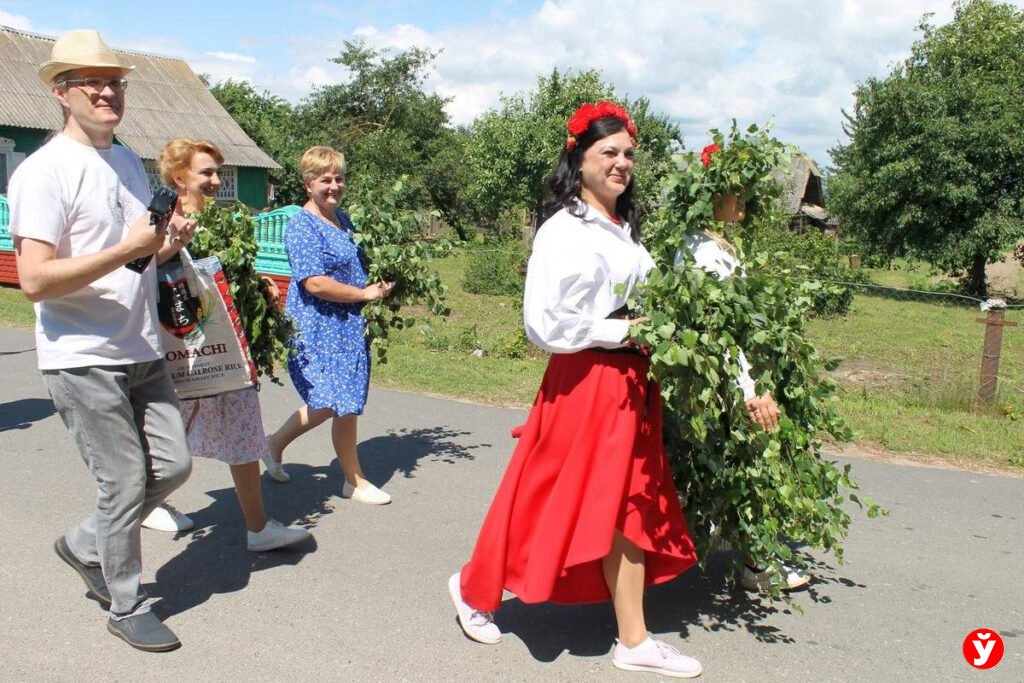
x=165, y=517
x=275, y=469
x=274, y=535
x=477, y=624
x=657, y=657
x=369, y=494
x=760, y=580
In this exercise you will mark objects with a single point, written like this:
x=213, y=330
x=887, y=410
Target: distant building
x=803, y=195
x=166, y=99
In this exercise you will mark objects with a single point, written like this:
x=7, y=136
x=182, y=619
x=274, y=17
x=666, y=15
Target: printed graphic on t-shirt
x=119, y=201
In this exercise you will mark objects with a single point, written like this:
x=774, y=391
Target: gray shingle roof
x=165, y=100
x=802, y=179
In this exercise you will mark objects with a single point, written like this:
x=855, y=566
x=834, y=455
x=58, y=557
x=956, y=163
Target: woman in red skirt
x=587, y=510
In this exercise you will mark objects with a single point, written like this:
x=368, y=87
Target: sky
x=701, y=63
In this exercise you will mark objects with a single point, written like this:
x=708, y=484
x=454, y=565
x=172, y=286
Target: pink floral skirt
x=227, y=427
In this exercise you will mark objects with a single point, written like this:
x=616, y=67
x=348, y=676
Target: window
x=9, y=160
x=228, y=184
x=152, y=174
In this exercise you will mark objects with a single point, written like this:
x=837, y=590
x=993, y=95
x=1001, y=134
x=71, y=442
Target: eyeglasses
x=97, y=84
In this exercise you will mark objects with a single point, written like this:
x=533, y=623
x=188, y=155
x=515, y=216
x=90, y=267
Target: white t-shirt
x=82, y=200
x=575, y=268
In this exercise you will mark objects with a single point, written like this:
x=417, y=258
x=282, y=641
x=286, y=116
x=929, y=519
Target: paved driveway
x=366, y=599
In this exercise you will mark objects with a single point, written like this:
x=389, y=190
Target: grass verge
x=15, y=309
x=907, y=380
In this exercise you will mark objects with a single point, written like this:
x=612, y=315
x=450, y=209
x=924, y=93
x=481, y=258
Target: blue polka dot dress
x=331, y=364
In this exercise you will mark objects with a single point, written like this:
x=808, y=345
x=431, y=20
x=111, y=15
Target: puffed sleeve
x=558, y=304
x=710, y=256
x=305, y=251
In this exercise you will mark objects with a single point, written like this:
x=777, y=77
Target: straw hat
x=79, y=49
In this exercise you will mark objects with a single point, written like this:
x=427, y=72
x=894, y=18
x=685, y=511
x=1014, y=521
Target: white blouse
x=575, y=268
x=710, y=256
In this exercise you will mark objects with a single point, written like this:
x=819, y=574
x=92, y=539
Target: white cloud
x=701, y=62
x=233, y=57
x=17, y=21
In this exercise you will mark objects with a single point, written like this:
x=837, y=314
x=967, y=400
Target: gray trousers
x=126, y=424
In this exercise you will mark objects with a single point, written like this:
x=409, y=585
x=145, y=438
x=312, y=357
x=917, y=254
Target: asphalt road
x=366, y=599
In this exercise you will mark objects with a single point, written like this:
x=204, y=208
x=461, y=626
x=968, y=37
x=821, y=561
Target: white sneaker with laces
x=369, y=494
x=275, y=469
x=274, y=535
x=759, y=580
x=165, y=517
x=477, y=624
x=657, y=657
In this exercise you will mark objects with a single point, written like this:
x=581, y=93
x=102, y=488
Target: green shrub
x=229, y=234
x=493, y=268
x=821, y=255
x=394, y=250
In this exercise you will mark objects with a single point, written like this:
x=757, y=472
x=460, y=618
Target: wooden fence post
x=994, y=324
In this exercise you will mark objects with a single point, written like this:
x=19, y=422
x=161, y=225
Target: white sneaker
x=165, y=517
x=757, y=581
x=369, y=494
x=657, y=657
x=477, y=625
x=275, y=469
x=274, y=535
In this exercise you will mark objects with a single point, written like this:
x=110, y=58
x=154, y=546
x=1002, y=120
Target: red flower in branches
x=705, y=156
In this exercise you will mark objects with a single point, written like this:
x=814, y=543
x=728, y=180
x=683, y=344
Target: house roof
x=800, y=184
x=166, y=100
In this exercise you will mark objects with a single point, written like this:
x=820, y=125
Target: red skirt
x=589, y=461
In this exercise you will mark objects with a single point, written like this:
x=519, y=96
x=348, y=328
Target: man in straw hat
x=78, y=215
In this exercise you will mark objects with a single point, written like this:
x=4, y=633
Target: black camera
x=160, y=208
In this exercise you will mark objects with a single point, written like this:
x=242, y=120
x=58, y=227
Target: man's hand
x=764, y=411
x=144, y=239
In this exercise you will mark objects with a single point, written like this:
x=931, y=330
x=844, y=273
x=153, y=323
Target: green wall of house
x=26, y=140
x=252, y=187
x=252, y=182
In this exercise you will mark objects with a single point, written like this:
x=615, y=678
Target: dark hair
x=565, y=183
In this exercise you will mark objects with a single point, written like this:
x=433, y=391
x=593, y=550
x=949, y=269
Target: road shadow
x=215, y=559
x=15, y=353
x=401, y=450
x=698, y=600
x=20, y=414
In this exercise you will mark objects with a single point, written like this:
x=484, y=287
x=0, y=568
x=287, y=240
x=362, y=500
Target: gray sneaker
x=144, y=632
x=92, y=575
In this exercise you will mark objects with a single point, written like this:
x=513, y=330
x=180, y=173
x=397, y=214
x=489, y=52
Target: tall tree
x=514, y=147
x=935, y=164
x=389, y=126
x=271, y=123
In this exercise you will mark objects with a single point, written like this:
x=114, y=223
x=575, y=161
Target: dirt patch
x=864, y=374
x=1006, y=277
x=869, y=452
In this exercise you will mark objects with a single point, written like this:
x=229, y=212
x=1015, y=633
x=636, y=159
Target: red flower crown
x=590, y=112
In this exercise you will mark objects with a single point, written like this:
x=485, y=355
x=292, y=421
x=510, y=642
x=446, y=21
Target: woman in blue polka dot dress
x=331, y=364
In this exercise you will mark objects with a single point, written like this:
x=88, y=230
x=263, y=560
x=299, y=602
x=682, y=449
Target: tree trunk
x=976, y=283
